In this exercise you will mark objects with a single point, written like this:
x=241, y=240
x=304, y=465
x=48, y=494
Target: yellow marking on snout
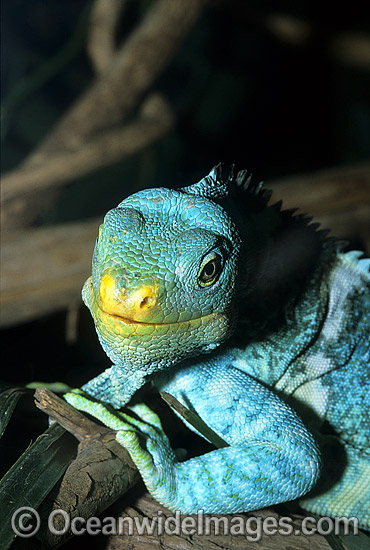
x=135, y=305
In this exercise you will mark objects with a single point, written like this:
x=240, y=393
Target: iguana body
x=251, y=318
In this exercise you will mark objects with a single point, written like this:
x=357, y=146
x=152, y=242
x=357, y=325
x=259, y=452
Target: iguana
x=250, y=317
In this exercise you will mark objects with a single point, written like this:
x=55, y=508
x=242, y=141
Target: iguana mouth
x=126, y=321
x=94, y=305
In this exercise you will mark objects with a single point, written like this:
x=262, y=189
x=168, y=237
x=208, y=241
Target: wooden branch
x=195, y=420
x=43, y=269
x=72, y=420
x=338, y=198
x=352, y=48
x=288, y=28
x=101, y=39
x=101, y=472
x=137, y=508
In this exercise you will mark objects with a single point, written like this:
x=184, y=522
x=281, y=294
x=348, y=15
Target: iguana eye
x=211, y=269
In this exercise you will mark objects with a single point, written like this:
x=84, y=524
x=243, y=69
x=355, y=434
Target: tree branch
x=115, y=94
x=101, y=39
x=155, y=121
x=101, y=472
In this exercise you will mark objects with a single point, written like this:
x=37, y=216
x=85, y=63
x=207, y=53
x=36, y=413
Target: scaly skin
x=250, y=318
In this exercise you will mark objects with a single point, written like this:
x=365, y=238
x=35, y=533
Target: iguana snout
x=135, y=304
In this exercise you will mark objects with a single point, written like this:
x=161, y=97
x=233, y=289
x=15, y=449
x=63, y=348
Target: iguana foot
x=144, y=439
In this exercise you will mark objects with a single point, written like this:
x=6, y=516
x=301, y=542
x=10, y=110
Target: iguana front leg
x=115, y=385
x=271, y=458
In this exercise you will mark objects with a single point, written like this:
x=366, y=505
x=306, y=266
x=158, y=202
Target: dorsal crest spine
x=223, y=181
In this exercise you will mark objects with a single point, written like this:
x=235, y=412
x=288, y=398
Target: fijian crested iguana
x=254, y=320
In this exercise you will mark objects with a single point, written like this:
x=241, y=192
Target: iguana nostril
x=135, y=302
x=147, y=302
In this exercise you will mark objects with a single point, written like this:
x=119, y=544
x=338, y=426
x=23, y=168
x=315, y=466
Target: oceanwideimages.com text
x=26, y=522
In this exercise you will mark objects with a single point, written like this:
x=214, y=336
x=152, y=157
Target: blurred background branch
x=76, y=141
x=352, y=48
x=155, y=119
x=101, y=40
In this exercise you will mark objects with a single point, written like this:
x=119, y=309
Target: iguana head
x=164, y=274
